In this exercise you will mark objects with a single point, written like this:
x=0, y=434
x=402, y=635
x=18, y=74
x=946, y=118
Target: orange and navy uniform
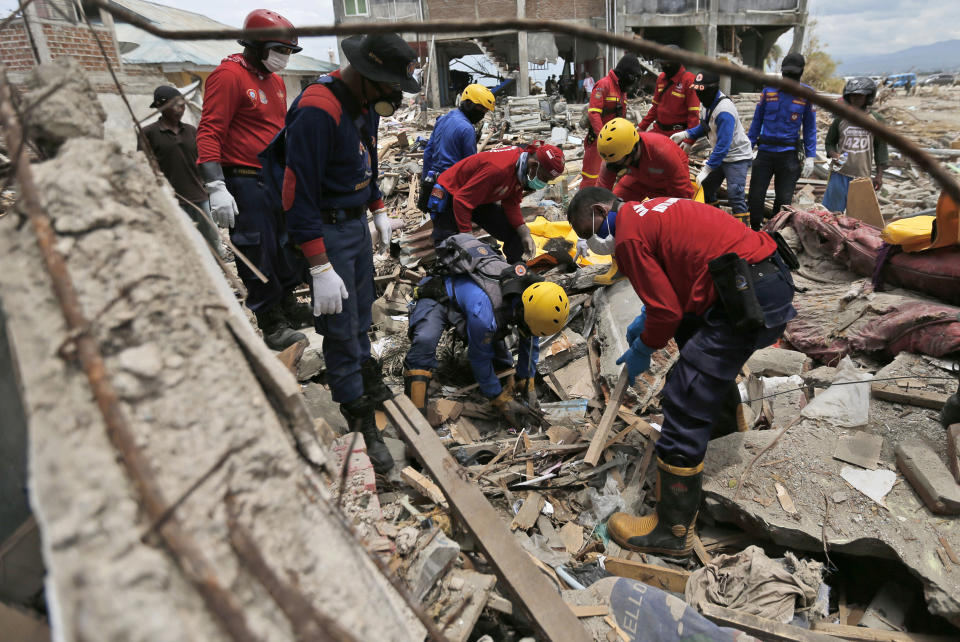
x=329, y=161
x=243, y=109
x=607, y=102
x=675, y=104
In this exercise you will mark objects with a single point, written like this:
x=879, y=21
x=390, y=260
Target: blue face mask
x=535, y=183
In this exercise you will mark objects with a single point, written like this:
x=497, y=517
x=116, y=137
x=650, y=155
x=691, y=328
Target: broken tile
x=860, y=448
x=929, y=477
x=875, y=484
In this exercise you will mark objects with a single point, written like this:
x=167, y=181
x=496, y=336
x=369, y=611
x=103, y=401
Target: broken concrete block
x=929, y=477
x=565, y=348
x=860, y=448
x=576, y=380
x=777, y=362
x=888, y=608
x=953, y=451
x=431, y=563
x=618, y=306
x=311, y=362
x=820, y=377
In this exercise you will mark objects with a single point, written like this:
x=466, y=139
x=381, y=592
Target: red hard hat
x=263, y=19
x=551, y=158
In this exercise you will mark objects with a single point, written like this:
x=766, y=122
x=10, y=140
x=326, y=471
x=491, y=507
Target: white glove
x=329, y=292
x=223, y=207
x=582, y=249
x=686, y=147
x=702, y=176
x=679, y=137
x=384, y=229
x=529, y=247
x=807, y=170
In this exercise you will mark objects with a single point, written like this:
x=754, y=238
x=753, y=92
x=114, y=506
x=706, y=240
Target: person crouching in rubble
x=327, y=161
x=485, y=298
x=486, y=189
x=853, y=149
x=454, y=137
x=721, y=293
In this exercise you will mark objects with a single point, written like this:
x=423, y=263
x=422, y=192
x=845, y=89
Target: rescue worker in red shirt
x=675, y=104
x=244, y=104
x=328, y=171
x=487, y=188
x=608, y=100
x=721, y=293
x=643, y=165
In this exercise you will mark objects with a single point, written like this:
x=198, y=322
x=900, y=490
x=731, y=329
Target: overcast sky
x=848, y=28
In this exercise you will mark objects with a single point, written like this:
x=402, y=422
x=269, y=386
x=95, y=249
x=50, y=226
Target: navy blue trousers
x=491, y=218
x=712, y=353
x=345, y=341
x=428, y=320
x=260, y=233
x=784, y=169
x=735, y=174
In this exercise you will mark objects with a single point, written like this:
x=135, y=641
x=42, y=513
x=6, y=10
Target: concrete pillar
x=713, y=16
x=37, y=37
x=799, y=29
x=433, y=75
x=523, y=79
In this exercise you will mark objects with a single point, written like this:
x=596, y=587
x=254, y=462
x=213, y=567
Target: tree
x=820, y=67
x=773, y=58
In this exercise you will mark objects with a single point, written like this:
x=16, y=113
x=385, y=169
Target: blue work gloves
x=637, y=359
x=635, y=329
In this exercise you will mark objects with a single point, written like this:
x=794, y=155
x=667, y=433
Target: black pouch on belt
x=426, y=186
x=788, y=255
x=734, y=284
x=433, y=288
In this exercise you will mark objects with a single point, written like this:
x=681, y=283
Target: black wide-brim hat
x=383, y=58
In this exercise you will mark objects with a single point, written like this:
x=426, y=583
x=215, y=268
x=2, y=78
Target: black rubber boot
x=670, y=529
x=277, y=333
x=299, y=315
x=359, y=416
x=416, y=384
x=373, y=386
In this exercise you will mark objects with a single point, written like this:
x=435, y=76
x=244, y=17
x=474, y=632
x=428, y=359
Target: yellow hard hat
x=617, y=139
x=480, y=95
x=545, y=308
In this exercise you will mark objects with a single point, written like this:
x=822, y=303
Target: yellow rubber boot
x=743, y=217
x=415, y=385
x=670, y=529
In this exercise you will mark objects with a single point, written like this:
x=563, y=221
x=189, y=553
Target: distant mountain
x=939, y=56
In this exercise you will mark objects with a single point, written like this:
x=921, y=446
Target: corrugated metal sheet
x=203, y=53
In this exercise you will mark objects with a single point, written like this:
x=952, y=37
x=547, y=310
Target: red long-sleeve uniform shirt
x=487, y=177
x=664, y=245
x=674, y=102
x=663, y=170
x=243, y=109
x=606, y=102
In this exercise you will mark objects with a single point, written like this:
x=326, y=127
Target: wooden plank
x=589, y=610
x=922, y=398
x=846, y=632
x=530, y=589
x=761, y=627
x=786, y=502
x=701, y=552
x=606, y=422
x=526, y=517
x=475, y=592
x=527, y=448
x=663, y=578
x=948, y=549
x=617, y=631
x=572, y=535
x=423, y=485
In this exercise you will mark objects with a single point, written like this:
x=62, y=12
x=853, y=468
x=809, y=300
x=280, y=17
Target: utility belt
x=734, y=281
x=239, y=170
x=671, y=128
x=773, y=141
x=437, y=200
x=341, y=214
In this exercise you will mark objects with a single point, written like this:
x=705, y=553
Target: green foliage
x=820, y=67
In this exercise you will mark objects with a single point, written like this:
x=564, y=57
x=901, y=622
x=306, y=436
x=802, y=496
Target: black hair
x=585, y=198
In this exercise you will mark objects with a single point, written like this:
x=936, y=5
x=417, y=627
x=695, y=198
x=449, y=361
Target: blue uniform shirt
x=777, y=121
x=482, y=329
x=328, y=166
x=726, y=124
x=453, y=139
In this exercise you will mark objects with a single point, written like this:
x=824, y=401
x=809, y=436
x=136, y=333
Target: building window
x=354, y=7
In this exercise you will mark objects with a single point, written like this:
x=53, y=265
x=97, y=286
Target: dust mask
x=603, y=245
x=275, y=61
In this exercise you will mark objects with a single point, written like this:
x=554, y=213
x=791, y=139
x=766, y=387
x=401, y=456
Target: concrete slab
x=565, y=348
x=929, y=477
x=803, y=463
x=777, y=362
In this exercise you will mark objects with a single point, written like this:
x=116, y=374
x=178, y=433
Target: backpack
x=464, y=254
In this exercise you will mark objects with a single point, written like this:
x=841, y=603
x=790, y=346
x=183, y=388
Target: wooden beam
x=667, y=579
x=606, y=422
x=922, y=398
x=845, y=632
x=533, y=593
x=761, y=627
x=423, y=485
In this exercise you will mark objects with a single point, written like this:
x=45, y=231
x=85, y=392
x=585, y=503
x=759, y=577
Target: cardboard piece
x=862, y=203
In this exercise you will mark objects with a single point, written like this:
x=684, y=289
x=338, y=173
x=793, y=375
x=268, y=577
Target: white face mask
x=275, y=62
x=601, y=245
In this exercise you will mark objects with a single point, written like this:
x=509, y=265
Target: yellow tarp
x=918, y=233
